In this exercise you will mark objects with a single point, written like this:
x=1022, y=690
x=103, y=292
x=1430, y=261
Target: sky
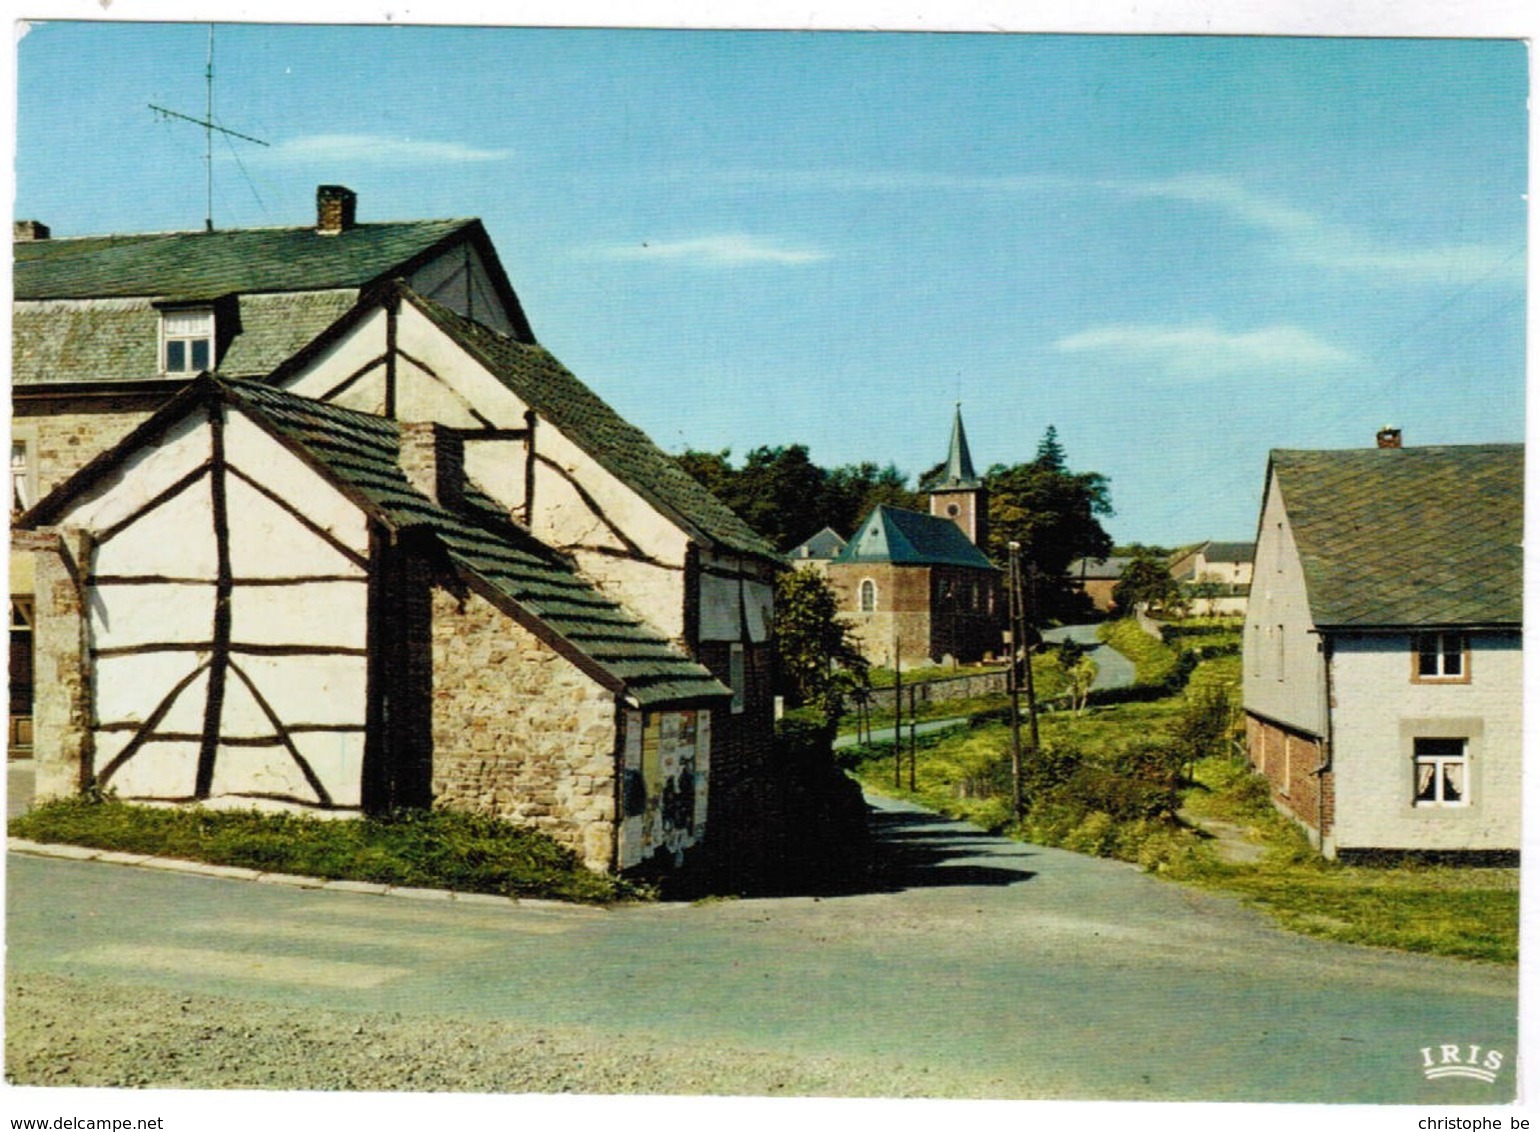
x=1180, y=252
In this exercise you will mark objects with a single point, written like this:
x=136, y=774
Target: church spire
x=958, y=472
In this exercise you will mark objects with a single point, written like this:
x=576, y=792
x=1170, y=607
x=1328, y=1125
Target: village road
x=1113, y=669
x=988, y=967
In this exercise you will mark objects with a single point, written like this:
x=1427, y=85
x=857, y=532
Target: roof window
x=187, y=340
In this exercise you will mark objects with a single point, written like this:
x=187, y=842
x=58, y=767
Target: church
x=917, y=588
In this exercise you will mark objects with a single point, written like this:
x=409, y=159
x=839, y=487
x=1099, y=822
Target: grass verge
x=426, y=848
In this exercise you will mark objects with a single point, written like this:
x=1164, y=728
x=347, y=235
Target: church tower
x=956, y=492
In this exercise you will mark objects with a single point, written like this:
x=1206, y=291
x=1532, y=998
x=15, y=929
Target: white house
x=1383, y=648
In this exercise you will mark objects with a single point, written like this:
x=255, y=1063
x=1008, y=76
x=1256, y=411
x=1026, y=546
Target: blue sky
x=1181, y=252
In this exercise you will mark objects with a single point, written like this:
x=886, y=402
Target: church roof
x=908, y=538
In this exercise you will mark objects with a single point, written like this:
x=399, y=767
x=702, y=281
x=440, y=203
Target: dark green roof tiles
x=1408, y=536
x=908, y=538
x=200, y=266
x=362, y=452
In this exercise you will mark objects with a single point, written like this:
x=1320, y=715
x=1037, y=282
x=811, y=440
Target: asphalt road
x=1113, y=669
x=991, y=967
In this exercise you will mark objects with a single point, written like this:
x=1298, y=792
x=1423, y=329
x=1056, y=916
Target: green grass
x=1467, y=913
x=427, y=849
x=1153, y=661
x=883, y=677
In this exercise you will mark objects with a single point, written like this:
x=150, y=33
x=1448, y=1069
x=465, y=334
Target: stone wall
x=62, y=708
x=519, y=732
x=60, y=442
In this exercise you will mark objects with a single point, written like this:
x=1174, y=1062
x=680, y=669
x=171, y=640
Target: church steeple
x=956, y=492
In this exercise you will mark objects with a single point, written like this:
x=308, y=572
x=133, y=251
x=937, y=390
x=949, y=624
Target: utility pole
x=1029, y=621
x=209, y=129
x=1013, y=599
x=898, y=711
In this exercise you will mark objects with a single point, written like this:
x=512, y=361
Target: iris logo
x=1470, y=1061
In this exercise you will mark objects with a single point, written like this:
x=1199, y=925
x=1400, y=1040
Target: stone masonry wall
x=62, y=709
x=61, y=443
x=519, y=732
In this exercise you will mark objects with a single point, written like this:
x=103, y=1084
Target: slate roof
x=1408, y=537
x=827, y=543
x=957, y=473
x=201, y=266
x=1099, y=569
x=908, y=538
x=1229, y=551
x=543, y=383
x=119, y=339
x=516, y=570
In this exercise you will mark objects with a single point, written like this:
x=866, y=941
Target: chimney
x=334, y=209
x=433, y=461
x=1388, y=437
x=23, y=231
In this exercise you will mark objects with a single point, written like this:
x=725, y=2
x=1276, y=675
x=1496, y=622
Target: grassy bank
x=1155, y=781
x=426, y=849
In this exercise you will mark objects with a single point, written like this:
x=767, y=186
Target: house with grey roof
x=817, y=551
x=553, y=623
x=1383, y=662
x=1098, y=577
x=1215, y=575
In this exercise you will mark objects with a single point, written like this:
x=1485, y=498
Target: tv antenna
x=209, y=129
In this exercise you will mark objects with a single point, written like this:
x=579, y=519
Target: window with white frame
x=187, y=340
x=1440, y=656
x=21, y=476
x=868, y=598
x=1441, y=769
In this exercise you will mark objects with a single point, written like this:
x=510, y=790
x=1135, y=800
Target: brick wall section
x=62, y=708
x=740, y=806
x=1288, y=760
x=929, y=626
x=519, y=732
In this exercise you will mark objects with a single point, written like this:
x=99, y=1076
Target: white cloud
x=1309, y=238
x=727, y=250
x=1203, y=350
x=369, y=148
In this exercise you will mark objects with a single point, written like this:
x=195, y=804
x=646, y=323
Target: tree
x=1079, y=670
x=1147, y=581
x=1055, y=515
x=819, y=662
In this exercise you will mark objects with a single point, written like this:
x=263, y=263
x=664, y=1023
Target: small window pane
x=1452, y=655
x=200, y=354
x=176, y=356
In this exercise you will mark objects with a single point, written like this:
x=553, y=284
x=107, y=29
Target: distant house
x=1098, y=577
x=417, y=562
x=917, y=588
x=818, y=551
x=1216, y=575
x=1383, y=650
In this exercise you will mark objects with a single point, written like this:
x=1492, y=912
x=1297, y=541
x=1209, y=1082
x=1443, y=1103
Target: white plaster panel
x=158, y=770
x=1380, y=710
x=759, y=606
x=311, y=689
x=497, y=467
x=259, y=770
x=721, y=617
x=366, y=395
x=267, y=542
x=1284, y=673
x=174, y=540
x=129, y=688
x=240, y=716
x=420, y=397
x=338, y=761
x=455, y=369
x=343, y=358
x=149, y=471
x=259, y=456
x=563, y=518
x=309, y=613
x=137, y=615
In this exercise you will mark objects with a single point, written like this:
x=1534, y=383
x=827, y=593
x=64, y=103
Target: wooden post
x=912, y=718
x=898, y=712
x=1029, y=621
x=1014, y=611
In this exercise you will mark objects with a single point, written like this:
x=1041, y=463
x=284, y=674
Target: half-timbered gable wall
x=225, y=597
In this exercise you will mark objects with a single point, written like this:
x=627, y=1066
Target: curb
x=287, y=880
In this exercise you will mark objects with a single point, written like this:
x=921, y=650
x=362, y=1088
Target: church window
x=868, y=597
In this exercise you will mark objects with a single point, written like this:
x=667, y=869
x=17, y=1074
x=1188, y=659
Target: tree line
x=1053, y=512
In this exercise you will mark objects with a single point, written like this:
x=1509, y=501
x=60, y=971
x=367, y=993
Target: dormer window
x=187, y=340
